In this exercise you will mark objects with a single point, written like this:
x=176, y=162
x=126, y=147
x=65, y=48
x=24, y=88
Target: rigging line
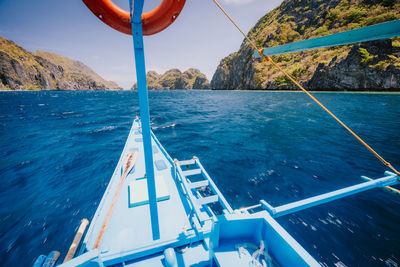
x=267, y=58
x=336, y=118
x=233, y=22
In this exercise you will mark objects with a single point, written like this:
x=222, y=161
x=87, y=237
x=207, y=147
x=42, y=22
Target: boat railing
x=202, y=193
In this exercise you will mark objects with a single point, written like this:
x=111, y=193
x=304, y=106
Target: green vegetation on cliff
x=175, y=79
x=373, y=65
x=23, y=70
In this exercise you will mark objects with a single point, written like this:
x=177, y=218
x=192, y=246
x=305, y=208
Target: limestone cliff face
x=355, y=71
x=175, y=79
x=23, y=70
x=369, y=66
x=196, y=79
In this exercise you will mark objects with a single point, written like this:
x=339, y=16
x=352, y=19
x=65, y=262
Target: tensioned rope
x=267, y=58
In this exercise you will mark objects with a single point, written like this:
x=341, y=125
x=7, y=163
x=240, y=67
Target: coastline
x=394, y=91
x=221, y=90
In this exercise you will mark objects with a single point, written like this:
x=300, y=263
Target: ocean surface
x=58, y=151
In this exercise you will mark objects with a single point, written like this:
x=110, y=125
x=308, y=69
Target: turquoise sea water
x=58, y=151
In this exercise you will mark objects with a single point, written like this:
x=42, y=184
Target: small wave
x=323, y=221
x=104, y=129
x=41, y=105
x=24, y=163
x=82, y=123
x=164, y=126
x=68, y=112
x=11, y=245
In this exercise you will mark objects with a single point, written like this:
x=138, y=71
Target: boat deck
x=191, y=233
x=130, y=227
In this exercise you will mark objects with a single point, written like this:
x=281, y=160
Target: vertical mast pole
x=136, y=20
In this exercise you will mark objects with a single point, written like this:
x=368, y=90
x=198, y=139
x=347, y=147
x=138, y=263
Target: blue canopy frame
x=370, y=33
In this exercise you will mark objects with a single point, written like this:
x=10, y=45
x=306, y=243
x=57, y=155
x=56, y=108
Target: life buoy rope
x=153, y=21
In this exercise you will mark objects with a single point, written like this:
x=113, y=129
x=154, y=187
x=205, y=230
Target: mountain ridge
x=365, y=66
x=24, y=70
x=175, y=79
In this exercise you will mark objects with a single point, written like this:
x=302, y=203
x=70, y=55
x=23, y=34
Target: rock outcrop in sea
x=175, y=79
x=24, y=70
x=367, y=66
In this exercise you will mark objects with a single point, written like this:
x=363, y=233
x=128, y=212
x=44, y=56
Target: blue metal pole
x=370, y=33
x=324, y=198
x=136, y=21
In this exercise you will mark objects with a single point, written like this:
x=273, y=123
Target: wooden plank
x=198, y=184
x=191, y=172
x=186, y=162
x=208, y=200
x=128, y=165
x=77, y=240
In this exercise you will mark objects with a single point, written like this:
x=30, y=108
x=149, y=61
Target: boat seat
x=138, y=194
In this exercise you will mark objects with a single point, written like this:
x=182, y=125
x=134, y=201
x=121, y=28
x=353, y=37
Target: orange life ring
x=153, y=21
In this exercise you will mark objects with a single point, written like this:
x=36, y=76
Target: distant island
x=24, y=70
x=369, y=66
x=175, y=79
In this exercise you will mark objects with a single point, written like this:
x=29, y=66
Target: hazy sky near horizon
x=199, y=38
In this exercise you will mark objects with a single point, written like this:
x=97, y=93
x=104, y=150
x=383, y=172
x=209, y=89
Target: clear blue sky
x=199, y=38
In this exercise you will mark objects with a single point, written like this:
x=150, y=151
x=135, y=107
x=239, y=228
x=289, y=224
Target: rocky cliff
x=368, y=66
x=24, y=70
x=175, y=79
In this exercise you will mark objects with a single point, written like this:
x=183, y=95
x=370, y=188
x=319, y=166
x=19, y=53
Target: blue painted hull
x=213, y=237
